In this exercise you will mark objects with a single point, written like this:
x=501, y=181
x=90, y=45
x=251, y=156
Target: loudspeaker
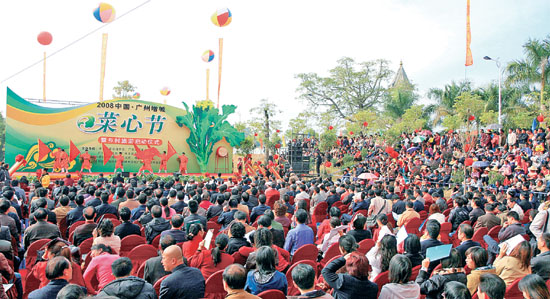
x=126, y=174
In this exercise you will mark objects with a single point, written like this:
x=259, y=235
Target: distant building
x=401, y=79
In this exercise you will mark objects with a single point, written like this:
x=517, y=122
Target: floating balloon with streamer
x=44, y=38
x=208, y=56
x=222, y=17
x=136, y=96
x=165, y=91
x=105, y=13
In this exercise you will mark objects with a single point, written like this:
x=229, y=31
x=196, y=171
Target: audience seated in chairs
x=126, y=286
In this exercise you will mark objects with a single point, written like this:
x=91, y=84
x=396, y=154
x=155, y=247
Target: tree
x=408, y=122
x=247, y=145
x=533, y=68
x=466, y=105
x=349, y=88
x=265, y=124
x=302, y=124
x=445, y=99
x=398, y=100
x=123, y=90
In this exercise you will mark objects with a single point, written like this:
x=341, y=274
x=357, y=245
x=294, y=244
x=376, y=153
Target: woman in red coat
x=211, y=261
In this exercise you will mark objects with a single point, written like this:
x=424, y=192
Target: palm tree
x=398, y=100
x=445, y=99
x=534, y=68
x=511, y=98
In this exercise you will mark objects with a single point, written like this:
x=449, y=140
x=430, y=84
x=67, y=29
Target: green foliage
x=123, y=90
x=351, y=87
x=408, y=122
x=457, y=176
x=495, y=176
x=207, y=127
x=398, y=100
x=328, y=140
x=302, y=124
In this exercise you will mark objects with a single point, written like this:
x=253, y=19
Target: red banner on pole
x=107, y=154
x=469, y=59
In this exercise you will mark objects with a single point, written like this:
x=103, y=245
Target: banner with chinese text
x=121, y=124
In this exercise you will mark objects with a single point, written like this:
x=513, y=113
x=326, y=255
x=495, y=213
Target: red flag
x=469, y=59
x=43, y=150
x=171, y=151
x=74, y=151
x=137, y=148
x=107, y=154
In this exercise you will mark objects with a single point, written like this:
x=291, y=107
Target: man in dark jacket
x=157, y=225
x=153, y=269
x=126, y=228
x=260, y=209
x=194, y=217
x=226, y=217
x=176, y=232
x=85, y=230
x=465, y=234
x=125, y=286
x=477, y=210
x=278, y=235
x=237, y=239
x=184, y=282
x=59, y=272
x=41, y=229
x=540, y=264
x=459, y=214
x=216, y=209
x=105, y=207
x=76, y=214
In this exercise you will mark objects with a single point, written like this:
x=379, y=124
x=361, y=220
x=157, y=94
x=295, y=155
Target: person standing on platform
x=163, y=162
x=57, y=159
x=64, y=161
x=86, y=164
x=119, y=162
x=183, y=162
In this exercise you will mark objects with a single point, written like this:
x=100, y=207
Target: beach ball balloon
x=222, y=17
x=208, y=56
x=44, y=38
x=105, y=13
x=165, y=91
x=136, y=96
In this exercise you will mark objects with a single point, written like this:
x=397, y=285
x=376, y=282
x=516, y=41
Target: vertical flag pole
x=220, y=69
x=103, y=61
x=44, y=80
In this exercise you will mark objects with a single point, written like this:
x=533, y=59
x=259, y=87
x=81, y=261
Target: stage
x=78, y=175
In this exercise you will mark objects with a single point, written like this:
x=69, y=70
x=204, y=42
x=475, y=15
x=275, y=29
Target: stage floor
x=77, y=174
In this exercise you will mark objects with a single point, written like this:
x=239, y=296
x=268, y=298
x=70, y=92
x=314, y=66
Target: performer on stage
x=86, y=157
x=64, y=161
x=146, y=165
x=57, y=160
x=240, y=166
x=45, y=178
x=119, y=162
x=163, y=162
x=183, y=162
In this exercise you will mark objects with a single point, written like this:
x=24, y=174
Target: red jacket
x=204, y=262
x=272, y=195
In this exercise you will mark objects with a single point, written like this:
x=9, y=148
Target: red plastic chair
x=32, y=255
x=156, y=241
x=415, y=271
x=412, y=226
x=423, y=215
x=437, y=268
x=108, y=216
x=444, y=232
x=493, y=232
x=381, y=280
x=73, y=227
x=292, y=289
x=130, y=242
x=365, y=246
x=447, y=212
x=513, y=292
x=31, y=283
x=62, y=225
x=86, y=246
x=214, y=286
x=332, y=251
x=475, y=296
x=391, y=220
x=239, y=258
x=478, y=235
x=141, y=254
x=141, y=271
x=548, y=283
x=525, y=219
x=320, y=212
x=306, y=252
x=157, y=284
x=272, y=294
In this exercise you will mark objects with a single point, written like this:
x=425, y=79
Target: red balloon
x=275, y=156
x=278, y=145
x=365, y=124
x=468, y=161
x=44, y=38
x=255, y=134
x=330, y=127
x=278, y=131
x=328, y=164
x=540, y=118
x=350, y=132
x=471, y=118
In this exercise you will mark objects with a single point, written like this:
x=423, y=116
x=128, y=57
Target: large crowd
x=377, y=231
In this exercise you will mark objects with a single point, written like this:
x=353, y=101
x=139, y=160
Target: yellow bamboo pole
x=103, y=61
x=220, y=69
x=44, y=80
x=207, y=84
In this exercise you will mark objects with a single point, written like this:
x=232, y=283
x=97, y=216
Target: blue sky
x=160, y=44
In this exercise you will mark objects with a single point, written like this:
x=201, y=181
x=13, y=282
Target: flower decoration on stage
x=540, y=118
x=471, y=118
x=105, y=13
x=136, y=96
x=205, y=105
x=330, y=127
x=165, y=91
x=44, y=38
x=222, y=17
x=328, y=164
x=208, y=56
x=365, y=124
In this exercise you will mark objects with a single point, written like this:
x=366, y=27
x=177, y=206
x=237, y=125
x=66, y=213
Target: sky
x=160, y=44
